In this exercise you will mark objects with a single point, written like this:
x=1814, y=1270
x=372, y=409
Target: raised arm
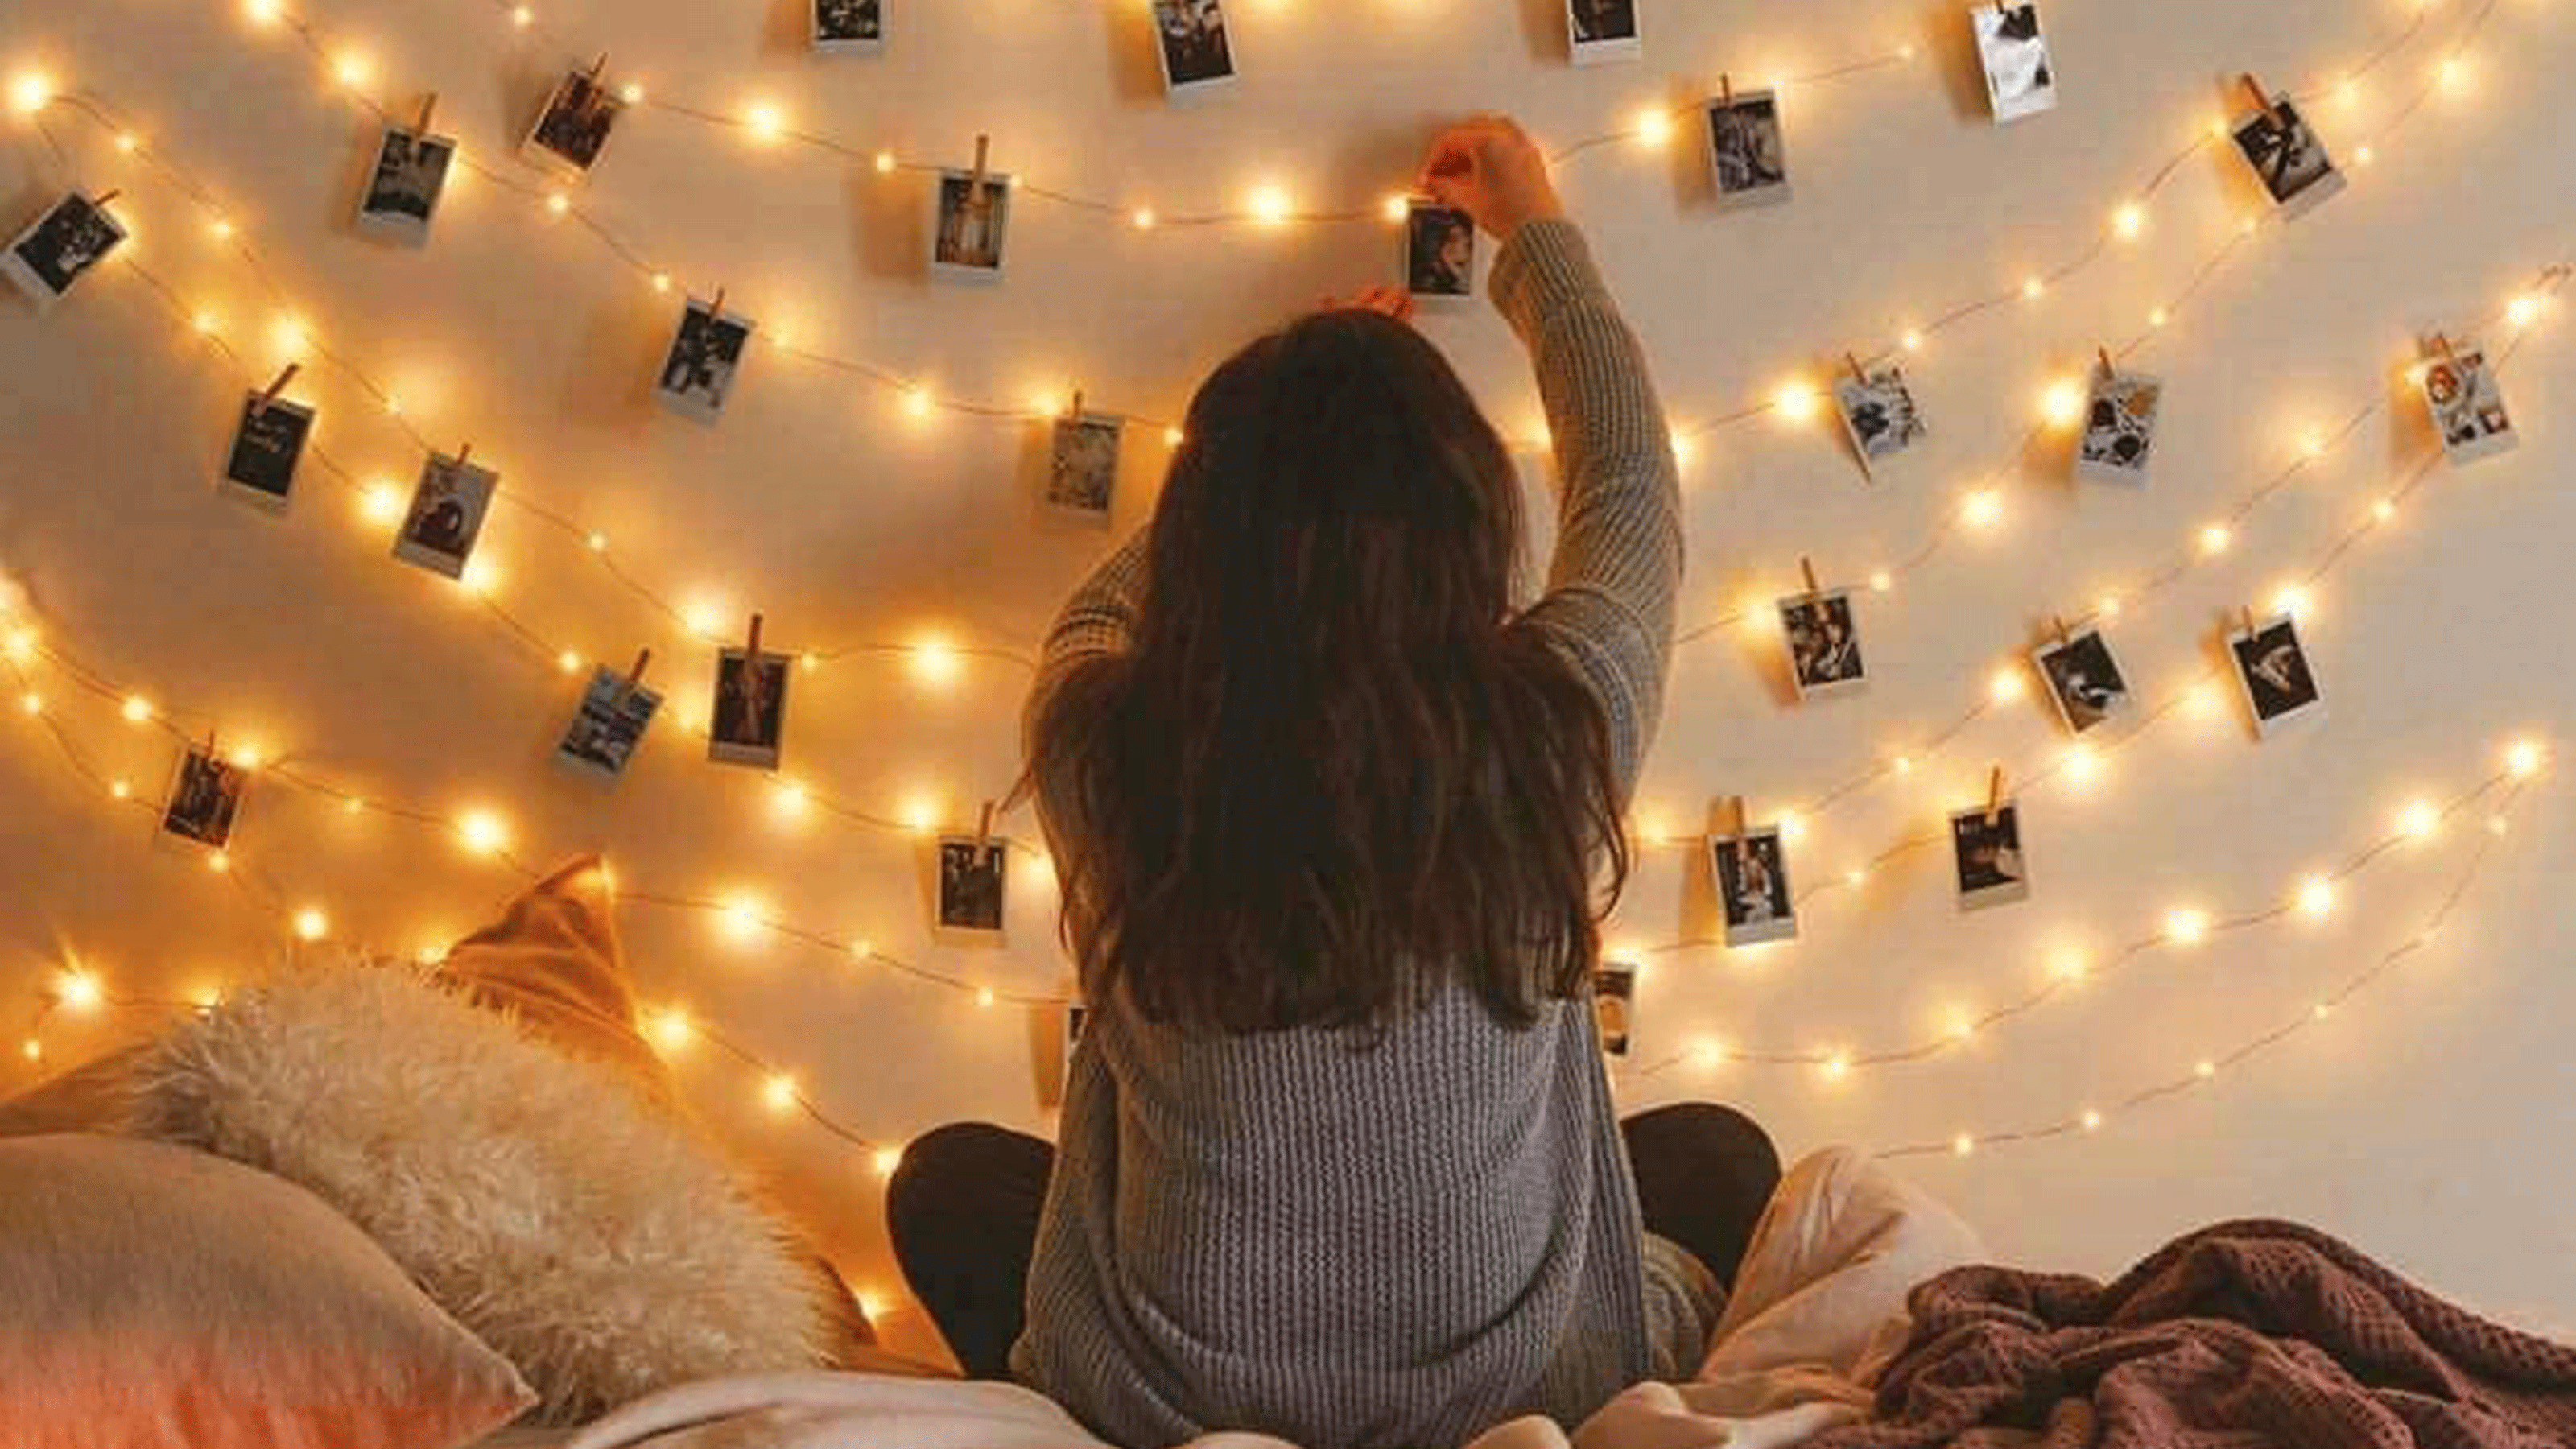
x=1612, y=584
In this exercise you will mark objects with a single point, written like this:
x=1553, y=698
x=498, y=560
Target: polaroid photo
x=706, y=354
x=1197, y=53
x=1824, y=644
x=2287, y=157
x=1598, y=32
x=1986, y=851
x=2120, y=428
x=1439, y=253
x=609, y=725
x=1748, y=154
x=1082, y=466
x=2020, y=79
x=1878, y=414
x=63, y=245
x=1752, y=875
x=573, y=128
x=849, y=27
x=971, y=883
x=267, y=445
x=446, y=516
x=968, y=226
x=2084, y=680
x=750, y=714
x=2273, y=673
x=403, y=190
x=204, y=805
x=1614, y=1004
x=2467, y=405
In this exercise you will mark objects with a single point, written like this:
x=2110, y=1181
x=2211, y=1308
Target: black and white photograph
x=1614, y=1004
x=1601, y=31
x=2084, y=680
x=1196, y=49
x=1752, y=876
x=2119, y=428
x=266, y=447
x=747, y=724
x=2273, y=672
x=2020, y=78
x=706, y=353
x=73, y=236
x=1748, y=154
x=2287, y=157
x=1439, y=253
x=1082, y=466
x=968, y=226
x=1986, y=851
x=609, y=725
x=971, y=880
x=205, y=799
x=446, y=515
x=849, y=27
x=573, y=128
x=1824, y=644
x=2467, y=405
x=1878, y=413
x=403, y=189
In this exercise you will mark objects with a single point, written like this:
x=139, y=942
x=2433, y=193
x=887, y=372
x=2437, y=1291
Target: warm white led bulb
x=2317, y=898
x=885, y=1160
x=2523, y=758
x=80, y=991
x=311, y=925
x=779, y=1092
x=2186, y=926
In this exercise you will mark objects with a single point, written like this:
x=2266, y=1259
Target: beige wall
x=2427, y=1121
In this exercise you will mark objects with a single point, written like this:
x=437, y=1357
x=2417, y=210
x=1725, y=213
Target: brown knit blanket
x=2248, y=1335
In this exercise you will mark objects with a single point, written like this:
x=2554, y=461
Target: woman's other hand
x=1488, y=167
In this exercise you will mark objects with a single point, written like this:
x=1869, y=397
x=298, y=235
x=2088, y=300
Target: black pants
x=963, y=1212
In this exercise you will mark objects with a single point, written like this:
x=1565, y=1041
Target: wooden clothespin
x=751, y=649
x=1076, y=414
x=1994, y=796
x=464, y=454
x=428, y=108
x=596, y=67
x=2249, y=621
x=260, y=408
x=1859, y=374
x=2263, y=100
x=2441, y=343
x=984, y=830
x=1726, y=90
x=715, y=309
x=635, y=676
x=1736, y=827
x=2057, y=622
x=983, y=160
x=104, y=197
x=2110, y=368
x=1807, y=570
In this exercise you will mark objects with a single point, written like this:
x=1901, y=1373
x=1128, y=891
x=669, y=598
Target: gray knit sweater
x=1408, y=1242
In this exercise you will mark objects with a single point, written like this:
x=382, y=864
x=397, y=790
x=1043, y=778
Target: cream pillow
x=151, y=1296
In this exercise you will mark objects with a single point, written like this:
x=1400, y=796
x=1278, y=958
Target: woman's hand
x=1488, y=167
x=1394, y=302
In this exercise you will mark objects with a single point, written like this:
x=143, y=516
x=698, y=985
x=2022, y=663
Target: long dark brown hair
x=1333, y=771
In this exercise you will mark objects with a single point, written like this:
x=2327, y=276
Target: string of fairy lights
x=937, y=658
x=483, y=834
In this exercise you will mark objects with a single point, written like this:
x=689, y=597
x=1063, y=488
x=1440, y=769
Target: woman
x=1332, y=822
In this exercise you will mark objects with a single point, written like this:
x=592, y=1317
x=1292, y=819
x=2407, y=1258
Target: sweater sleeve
x=1612, y=586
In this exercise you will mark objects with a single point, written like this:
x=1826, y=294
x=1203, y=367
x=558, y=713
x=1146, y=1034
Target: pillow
x=581, y=1231
x=152, y=1296
x=88, y=1098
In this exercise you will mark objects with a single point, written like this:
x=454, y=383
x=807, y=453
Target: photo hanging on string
x=73, y=236
x=446, y=516
x=2274, y=675
x=971, y=884
x=706, y=354
x=2084, y=679
x=1598, y=32
x=849, y=27
x=2120, y=428
x=2467, y=405
x=1082, y=466
x=969, y=225
x=1748, y=154
x=2287, y=157
x=2021, y=79
x=573, y=129
x=1824, y=644
x=1879, y=415
x=1614, y=1005
x=1194, y=45
x=608, y=726
x=205, y=800
x=403, y=189
x=747, y=723
x=1439, y=253
x=1986, y=856
x=1752, y=877
x=268, y=442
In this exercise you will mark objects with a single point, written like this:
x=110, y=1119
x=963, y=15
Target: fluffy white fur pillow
x=587, y=1236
